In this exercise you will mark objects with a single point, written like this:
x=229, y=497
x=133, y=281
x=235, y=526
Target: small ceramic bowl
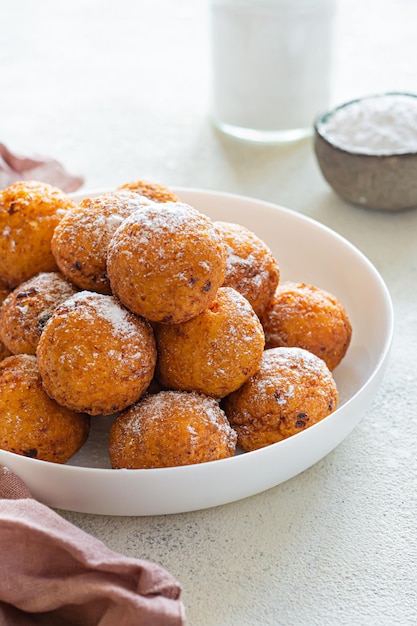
x=367, y=151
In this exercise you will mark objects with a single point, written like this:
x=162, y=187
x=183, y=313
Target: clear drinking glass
x=271, y=66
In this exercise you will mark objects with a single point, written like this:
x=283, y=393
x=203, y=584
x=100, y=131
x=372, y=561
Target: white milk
x=271, y=66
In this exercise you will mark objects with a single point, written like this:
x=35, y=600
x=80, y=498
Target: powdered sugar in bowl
x=367, y=150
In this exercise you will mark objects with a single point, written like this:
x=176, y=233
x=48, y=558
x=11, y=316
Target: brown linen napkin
x=54, y=574
x=14, y=167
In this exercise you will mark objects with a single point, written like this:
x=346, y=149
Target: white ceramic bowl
x=306, y=251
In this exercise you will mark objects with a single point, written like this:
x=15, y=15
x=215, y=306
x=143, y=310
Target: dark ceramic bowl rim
x=323, y=117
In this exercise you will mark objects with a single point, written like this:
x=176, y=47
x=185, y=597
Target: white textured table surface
x=118, y=91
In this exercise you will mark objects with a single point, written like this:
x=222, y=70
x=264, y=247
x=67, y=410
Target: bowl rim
x=321, y=119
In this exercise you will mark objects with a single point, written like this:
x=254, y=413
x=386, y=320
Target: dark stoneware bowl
x=386, y=181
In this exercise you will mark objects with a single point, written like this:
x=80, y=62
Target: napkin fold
x=53, y=573
x=15, y=167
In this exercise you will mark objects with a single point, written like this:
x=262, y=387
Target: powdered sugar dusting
x=108, y=309
x=162, y=221
x=380, y=124
x=286, y=369
x=246, y=267
x=189, y=406
x=97, y=218
x=251, y=268
x=290, y=357
x=237, y=326
x=52, y=288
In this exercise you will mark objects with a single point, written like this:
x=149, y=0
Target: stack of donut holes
x=137, y=305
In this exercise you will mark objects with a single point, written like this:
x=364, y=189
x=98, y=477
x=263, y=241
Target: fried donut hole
x=32, y=424
x=305, y=316
x=215, y=352
x=27, y=309
x=166, y=262
x=251, y=267
x=151, y=190
x=292, y=390
x=79, y=243
x=168, y=429
x=95, y=356
x=29, y=213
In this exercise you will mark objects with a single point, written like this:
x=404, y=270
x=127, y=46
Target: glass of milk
x=271, y=66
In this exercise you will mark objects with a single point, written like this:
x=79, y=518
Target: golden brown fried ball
x=29, y=213
x=168, y=429
x=32, y=424
x=95, y=356
x=251, y=268
x=166, y=262
x=215, y=352
x=151, y=190
x=307, y=317
x=79, y=243
x=292, y=390
x=27, y=309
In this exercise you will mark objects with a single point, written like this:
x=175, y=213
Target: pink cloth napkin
x=54, y=574
x=14, y=167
